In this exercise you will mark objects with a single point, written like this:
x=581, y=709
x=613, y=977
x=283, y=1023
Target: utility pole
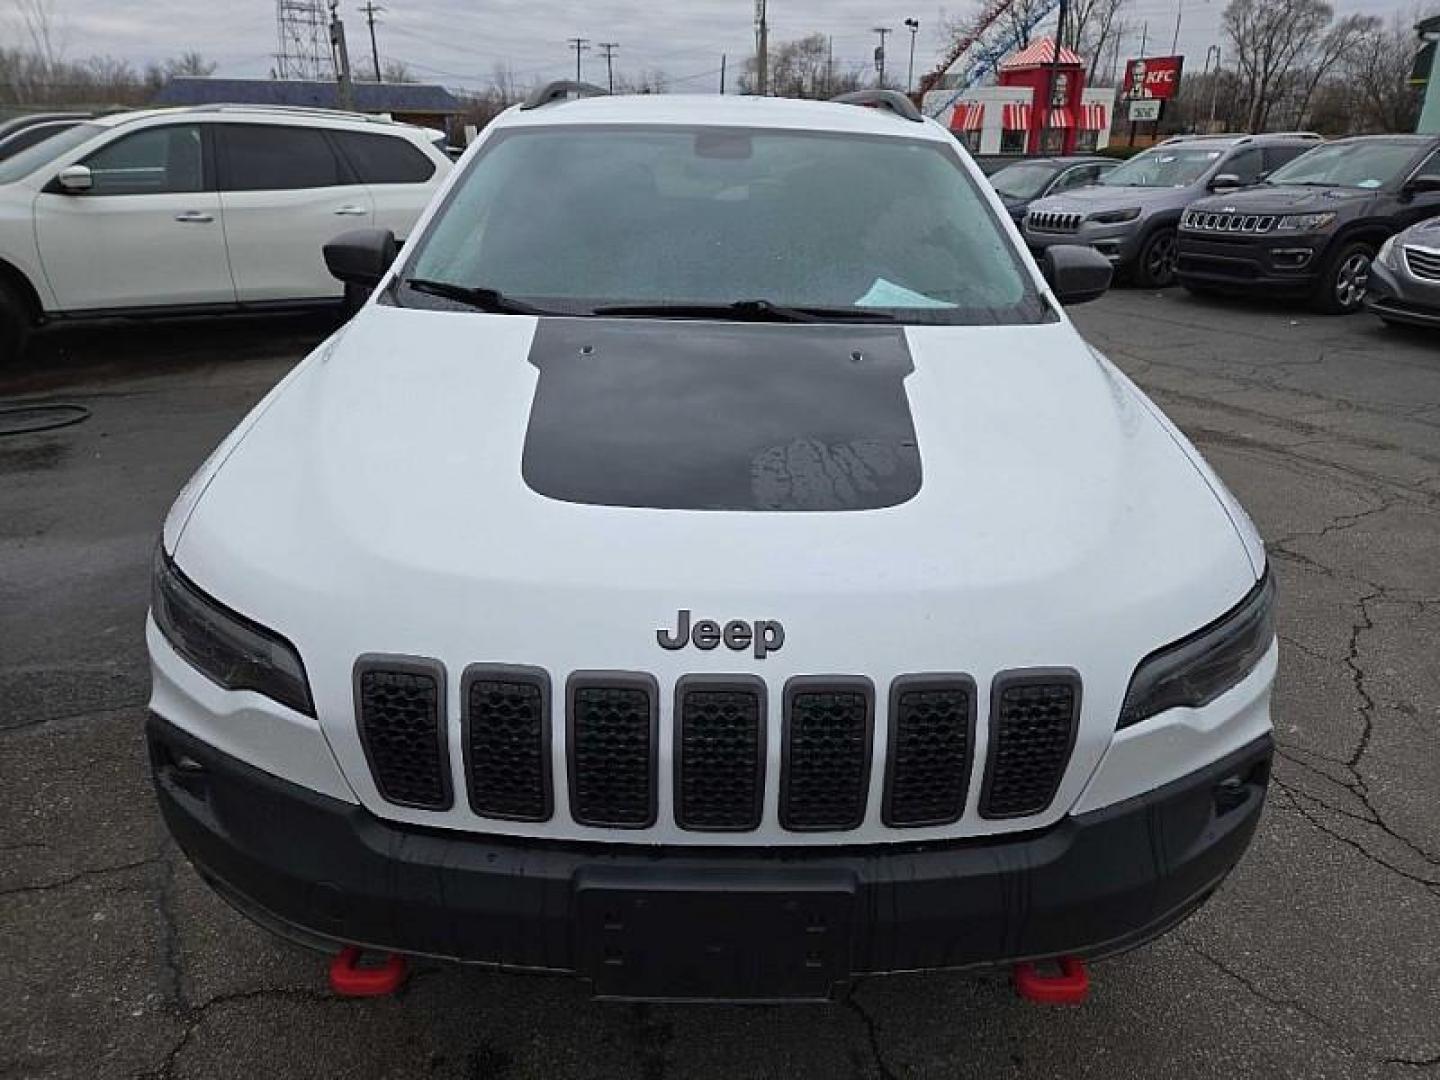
x=1215, y=82
x=914, y=27
x=344, y=86
x=762, y=50
x=723, y=58
x=609, y=48
x=371, y=10
x=880, y=52
x=830, y=68
x=1054, y=80
x=580, y=45
x=1175, y=41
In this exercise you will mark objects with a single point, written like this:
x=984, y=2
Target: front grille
x=1226, y=222
x=1033, y=717
x=611, y=719
x=506, y=722
x=932, y=730
x=1053, y=221
x=825, y=753
x=719, y=753
x=1423, y=263
x=400, y=716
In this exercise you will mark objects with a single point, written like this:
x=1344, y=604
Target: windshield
x=1356, y=165
x=1168, y=166
x=31, y=158
x=1022, y=181
x=571, y=219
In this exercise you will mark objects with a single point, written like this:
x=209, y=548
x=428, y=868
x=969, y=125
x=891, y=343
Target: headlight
x=1389, y=254
x=1196, y=670
x=229, y=648
x=1305, y=222
x=1116, y=217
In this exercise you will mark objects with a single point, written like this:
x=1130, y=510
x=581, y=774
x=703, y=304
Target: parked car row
x=1281, y=214
x=193, y=210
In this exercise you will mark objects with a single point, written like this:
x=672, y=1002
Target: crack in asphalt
x=1415, y=1063
x=108, y=713
x=1432, y=887
x=1326, y=1025
x=81, y=875
x=872, y=1030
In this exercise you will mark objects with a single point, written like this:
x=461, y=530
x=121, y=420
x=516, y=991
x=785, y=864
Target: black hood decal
x=721, y=416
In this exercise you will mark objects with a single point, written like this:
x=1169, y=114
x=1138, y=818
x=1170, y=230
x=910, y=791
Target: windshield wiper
x=474, y=296
x=743, y=311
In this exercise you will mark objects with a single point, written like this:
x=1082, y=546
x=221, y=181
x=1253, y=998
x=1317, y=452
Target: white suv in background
x=187, y=210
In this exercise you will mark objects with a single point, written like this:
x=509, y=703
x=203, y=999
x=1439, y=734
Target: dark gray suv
x=1131, y=214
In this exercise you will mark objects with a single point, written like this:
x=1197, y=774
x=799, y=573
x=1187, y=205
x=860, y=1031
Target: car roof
x=722, y=110
x=1404, y=138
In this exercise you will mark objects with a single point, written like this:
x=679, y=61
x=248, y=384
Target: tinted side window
x=384, y=159
x=1275, y=156
x=269, y=157
x=1072, y=178
x=1431, y=166
x=1246, y=164
x=27, y=137
x=156, y=161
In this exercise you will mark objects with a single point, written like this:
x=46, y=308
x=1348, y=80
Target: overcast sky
x=459, y=42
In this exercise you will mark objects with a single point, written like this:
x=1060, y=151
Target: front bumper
x=1276, y=262
x=1118, y=243
x=660, y=923
x=1396, y=297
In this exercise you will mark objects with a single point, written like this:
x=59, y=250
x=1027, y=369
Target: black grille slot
x=400, y=713
x=720, y=753
x=932, y=731
x=507, y=742
x=612, y=728
x=825, y=759
x=1033, y=715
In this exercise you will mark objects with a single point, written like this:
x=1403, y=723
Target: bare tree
x=1334, y=46
x=1091, y=27
x=803, y=69
x=37, y=18
x=190, y=63
x=1269, y=40
x=1374, y=82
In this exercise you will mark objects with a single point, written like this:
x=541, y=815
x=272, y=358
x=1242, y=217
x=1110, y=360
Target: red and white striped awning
x=1094, y=116
x=1041, y=53
x=1060, y=118
x=968, y=116
x=1016, y=117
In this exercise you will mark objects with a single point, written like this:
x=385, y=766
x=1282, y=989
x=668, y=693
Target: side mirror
x=1076, y=274
x=1423, y=184
x=75, y=179
x=361, y=257
x=1226, y=180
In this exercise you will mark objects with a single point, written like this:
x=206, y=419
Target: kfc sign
x=1156, y=77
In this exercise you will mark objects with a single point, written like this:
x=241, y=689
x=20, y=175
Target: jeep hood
x=1285, y=199
x=1100, y=197
x=485, y=488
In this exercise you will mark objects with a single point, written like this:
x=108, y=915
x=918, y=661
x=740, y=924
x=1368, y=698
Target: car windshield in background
x=1170, y=166
x=1022, y=181
x=30, y=159
x=1354, y=165
x=574, y=219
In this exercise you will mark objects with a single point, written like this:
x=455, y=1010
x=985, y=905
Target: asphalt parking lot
x=1319, y=958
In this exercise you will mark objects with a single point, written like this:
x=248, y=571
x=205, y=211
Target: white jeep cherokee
x=207, y=209
x=714, y=565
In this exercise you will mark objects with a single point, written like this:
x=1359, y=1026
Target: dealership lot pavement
x=1320, y=957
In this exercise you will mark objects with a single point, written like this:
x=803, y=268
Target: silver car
x=1404, y=283
x=1131, y=214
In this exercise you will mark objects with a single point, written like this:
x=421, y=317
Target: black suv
x=1313, y=227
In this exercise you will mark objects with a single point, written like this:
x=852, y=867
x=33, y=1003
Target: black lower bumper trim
x=713, y=923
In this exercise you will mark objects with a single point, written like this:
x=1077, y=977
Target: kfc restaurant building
x=1021, y=116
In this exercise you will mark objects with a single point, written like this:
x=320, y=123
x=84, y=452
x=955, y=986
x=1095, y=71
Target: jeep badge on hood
x=766, y=635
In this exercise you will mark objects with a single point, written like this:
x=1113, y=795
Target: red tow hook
x=349, y=979
x=1070, y=987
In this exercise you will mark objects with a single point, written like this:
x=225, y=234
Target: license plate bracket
x=690, y=937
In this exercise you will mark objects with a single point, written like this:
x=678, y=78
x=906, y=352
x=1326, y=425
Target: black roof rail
x=560, y=90
x=892, y=100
